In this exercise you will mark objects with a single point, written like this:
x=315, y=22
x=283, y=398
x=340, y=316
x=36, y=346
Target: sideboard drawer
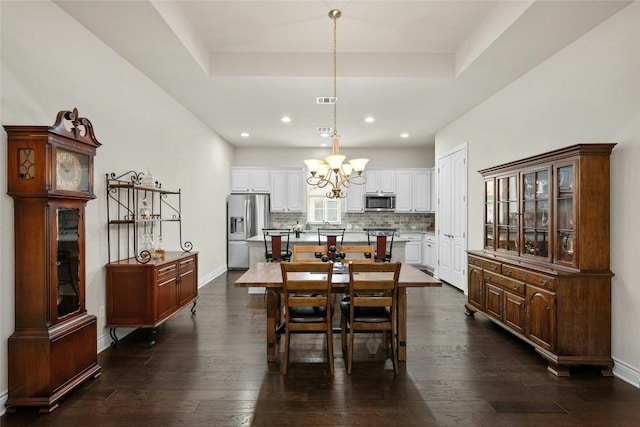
x=541, y=280
x=485, y=264
x=507, y=283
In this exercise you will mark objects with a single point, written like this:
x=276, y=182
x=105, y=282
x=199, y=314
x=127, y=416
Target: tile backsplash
x=358, y=221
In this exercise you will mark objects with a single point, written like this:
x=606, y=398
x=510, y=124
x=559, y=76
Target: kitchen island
x=257, y=250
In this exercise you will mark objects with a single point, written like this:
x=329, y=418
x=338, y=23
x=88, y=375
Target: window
x=321, y=208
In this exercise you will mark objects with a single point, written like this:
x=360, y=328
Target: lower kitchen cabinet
x=413, y=249
x=146, y=295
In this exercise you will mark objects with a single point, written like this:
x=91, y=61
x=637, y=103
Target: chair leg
x=343, y=333
x=330, y=347
x=394, y=350
x=285, y=360
x=350, y=351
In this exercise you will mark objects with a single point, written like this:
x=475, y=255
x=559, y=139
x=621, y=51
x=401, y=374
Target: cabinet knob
x=507, y=272
x=543, y=282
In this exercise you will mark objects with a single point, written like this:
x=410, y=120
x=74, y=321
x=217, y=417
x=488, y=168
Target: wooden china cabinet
x=544, y=273
x=50, y=177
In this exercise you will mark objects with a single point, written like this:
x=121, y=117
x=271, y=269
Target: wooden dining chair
x=304, y=253
x=356, y=254
x=371, y=306
x=307, y=300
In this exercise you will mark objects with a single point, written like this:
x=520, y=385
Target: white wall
x=51, y=63
x=589, y=92
x=421, y=157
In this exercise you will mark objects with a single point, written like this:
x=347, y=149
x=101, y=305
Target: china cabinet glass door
x=489, y=217
x=507, y=213
x=565, y=237
x=535, y=213
x=68, y=261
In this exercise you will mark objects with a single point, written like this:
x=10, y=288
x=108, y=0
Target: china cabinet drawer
x=505, y=282
x=485, y=264
x=541, y=280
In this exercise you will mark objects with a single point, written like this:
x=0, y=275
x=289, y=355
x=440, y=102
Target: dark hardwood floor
x=211, y=370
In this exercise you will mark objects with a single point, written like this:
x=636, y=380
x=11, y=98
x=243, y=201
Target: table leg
x=402, y=324
x=273, y=320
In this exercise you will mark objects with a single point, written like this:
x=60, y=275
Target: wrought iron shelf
x=135, y=214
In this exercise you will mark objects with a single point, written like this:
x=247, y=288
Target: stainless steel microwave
x=379, y=202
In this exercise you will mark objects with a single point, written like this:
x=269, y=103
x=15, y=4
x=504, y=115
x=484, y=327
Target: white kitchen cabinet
x=432, y=189
x=380, y=181
x=250, y=180
x=287, y=190
x=429, y=254
x=413, y=248
x=404, y=193
x=354, y=202
x=422, y=191
x=413, y=190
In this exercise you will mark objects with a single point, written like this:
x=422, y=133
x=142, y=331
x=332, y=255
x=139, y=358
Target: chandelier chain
x=335, y=74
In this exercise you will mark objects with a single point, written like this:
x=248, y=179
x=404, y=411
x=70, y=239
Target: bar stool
x=383, y=242
x=276, y=244
x=330, y=237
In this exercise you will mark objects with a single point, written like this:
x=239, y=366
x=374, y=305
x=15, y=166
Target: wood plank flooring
x=211, y=370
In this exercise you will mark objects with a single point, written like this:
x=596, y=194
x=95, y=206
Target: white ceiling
x=413, y=65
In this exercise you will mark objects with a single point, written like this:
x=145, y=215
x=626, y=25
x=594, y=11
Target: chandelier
x=335, y=173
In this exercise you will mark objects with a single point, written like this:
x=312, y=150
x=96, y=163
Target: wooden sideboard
x=146, y=295
x=543, y=273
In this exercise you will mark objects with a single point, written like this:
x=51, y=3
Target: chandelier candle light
x=335, y=172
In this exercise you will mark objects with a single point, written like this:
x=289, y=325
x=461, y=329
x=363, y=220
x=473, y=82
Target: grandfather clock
x=54, y=346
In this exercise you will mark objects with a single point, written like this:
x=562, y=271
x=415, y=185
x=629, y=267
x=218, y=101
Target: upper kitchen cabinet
x=544, y=271
x=250, y=180
x=354, y=202
x=413, y=190
x=380, y=181
x=287, y=190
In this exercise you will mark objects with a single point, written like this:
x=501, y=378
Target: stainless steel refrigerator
x=247, y=215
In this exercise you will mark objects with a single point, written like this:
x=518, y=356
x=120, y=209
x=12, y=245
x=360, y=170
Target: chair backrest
x=276, y=243
x=307, y=284
x=302, y=253
x=374, y=285
x=330, y=236
x=357, y=254
x=383, y=242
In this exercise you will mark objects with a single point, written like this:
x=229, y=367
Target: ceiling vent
x=325, y=100
x=324, y=129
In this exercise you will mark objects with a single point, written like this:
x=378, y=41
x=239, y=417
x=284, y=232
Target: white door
x=452, y=217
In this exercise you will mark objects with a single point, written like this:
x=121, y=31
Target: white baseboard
x=3, y=400
x=626, y=372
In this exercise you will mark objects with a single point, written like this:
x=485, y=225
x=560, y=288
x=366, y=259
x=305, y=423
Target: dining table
x=269, y=276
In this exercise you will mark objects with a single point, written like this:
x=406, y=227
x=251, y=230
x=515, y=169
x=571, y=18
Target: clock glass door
x=68, y=298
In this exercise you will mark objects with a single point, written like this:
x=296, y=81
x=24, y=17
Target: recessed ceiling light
x=323, y=145
x=245, y=134
x=285, y=119
x=369, y=119
x=324, y=134
x=404, y=135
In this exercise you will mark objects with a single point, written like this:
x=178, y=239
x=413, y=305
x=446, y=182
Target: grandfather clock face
x=72, y=171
